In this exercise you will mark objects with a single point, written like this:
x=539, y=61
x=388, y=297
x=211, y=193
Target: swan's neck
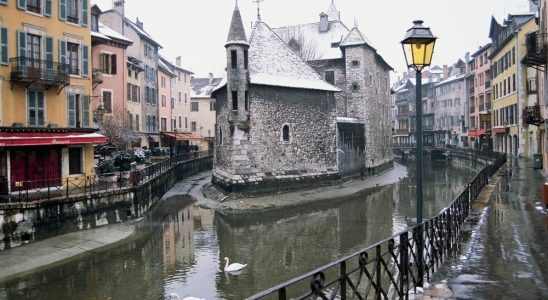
x=226, y=263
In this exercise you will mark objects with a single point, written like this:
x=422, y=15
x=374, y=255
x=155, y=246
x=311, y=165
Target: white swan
x=233, y=267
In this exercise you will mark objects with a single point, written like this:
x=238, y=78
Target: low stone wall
x=26, y=222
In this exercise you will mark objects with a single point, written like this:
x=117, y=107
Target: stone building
x=276, y=116
x=347, y=59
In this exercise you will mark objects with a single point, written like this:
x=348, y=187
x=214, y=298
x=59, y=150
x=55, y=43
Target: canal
x=179, y=247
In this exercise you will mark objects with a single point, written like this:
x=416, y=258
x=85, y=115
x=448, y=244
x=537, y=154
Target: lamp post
x=209, y=140
x=418, y=48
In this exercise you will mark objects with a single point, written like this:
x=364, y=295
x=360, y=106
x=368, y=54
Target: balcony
x=531, y=116
x=536, y=49
x=402, y=131
x=29, y=71
x=97, y=78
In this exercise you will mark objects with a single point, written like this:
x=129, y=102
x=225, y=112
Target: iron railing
x=28, y=69
x=38, y=190
x=390, y=269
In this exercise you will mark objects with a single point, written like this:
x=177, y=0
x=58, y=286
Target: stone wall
x=22, y=223
x=255, y=152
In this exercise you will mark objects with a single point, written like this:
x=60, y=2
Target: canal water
x=179, y=247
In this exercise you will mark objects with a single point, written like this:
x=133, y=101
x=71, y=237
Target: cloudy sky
x=197, y=29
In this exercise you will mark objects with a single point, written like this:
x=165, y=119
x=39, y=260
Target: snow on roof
x=109, y=32
x=162, y=64
x=273, y=62
x=202, y=88
x=236, y=33
x=141, y=32
x=451, y=79
x=333, y=13
x=99, y=35
x=356, y=37
x=325, y=44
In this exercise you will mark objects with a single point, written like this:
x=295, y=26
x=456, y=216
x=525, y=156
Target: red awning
x=499, y=130
x=8, y=139
x=476, y=132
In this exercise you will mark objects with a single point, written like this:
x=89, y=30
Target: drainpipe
x=519, y=83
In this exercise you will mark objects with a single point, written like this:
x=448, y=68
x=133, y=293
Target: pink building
x=165, y=76
x=479, y=97
x=108, y=54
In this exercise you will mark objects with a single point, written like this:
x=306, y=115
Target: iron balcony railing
x=25, y=69
x=536, y=48
x=59, y=188
x=390, y=269
x=531, y=115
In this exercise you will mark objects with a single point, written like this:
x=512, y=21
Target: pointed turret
x=355, y=38
x=236, y=33
x=332, y=13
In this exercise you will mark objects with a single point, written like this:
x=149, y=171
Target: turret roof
x=236, y=33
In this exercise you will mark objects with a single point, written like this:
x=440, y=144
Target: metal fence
x=27, y=191
x=390, y=269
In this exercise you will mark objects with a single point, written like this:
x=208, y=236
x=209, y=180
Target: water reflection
x=179, y=247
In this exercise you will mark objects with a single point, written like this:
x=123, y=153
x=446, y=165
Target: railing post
x=342, y=280
x=420, y=256
x=378, y=277
x=403, y=276
x=67, y=193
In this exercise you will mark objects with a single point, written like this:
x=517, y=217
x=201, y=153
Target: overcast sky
x=197, y=29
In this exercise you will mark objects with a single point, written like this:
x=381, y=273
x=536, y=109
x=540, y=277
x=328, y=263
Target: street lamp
x=418, y=48
x=209, y=140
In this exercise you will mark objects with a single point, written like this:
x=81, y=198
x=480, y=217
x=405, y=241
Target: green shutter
x=47, y=8
x=21, y=47
x=85, y=110
x=5, y=2
x=84, y=21
x=62, y=52
x=48, y=45
x=22, y=4
x=85, y=60
x=63, y=10
x=71, y=111
x=4, y=46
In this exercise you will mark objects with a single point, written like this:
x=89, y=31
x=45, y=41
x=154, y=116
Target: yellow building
x=513, y=101
x=46, y=133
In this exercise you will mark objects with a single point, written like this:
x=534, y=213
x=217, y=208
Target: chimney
x=210, y=78
x=139, y=23
x=324, y=22
x=178, y=61
x=445, y=72
x=119, y=7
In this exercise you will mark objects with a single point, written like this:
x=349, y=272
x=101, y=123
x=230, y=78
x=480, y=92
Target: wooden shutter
x=62, y=52
x=113, y=64
x=84, y=12
x=22, y=4
x=85, y=110
x=22, y=47
x=63, y=10
x=4, y=46
x=71, y=110
x=85, y=60
x=48, y=43
x=47, y=8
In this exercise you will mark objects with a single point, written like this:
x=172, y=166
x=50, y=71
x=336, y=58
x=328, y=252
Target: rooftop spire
x=236, y=33
x=258, y=8
x=332, y=13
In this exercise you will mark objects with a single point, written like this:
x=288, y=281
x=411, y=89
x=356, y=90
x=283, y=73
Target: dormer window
x=335, y=45
x=293, y=44
x=94, y=23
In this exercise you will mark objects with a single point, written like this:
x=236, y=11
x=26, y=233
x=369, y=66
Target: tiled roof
x=325, y=44
x=202, y=87
x=273, y=62
x=236, y=33
x=355, y=37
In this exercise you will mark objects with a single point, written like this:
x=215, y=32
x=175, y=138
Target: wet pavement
x=506, y=253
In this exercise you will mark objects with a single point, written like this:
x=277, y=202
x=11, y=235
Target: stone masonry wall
x=370, y=102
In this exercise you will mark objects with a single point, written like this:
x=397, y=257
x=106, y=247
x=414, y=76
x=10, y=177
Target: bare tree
x=307, y=49
x=118, y=129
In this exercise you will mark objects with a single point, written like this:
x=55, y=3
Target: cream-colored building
x=202, y=113
x=46, y=128
x=515, y=115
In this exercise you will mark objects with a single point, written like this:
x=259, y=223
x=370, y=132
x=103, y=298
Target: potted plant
x=105, y=170
x=122, y=162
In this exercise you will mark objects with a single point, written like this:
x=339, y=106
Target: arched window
x=285, y=133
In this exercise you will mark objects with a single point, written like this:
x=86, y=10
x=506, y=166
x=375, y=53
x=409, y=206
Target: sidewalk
x=506, y=253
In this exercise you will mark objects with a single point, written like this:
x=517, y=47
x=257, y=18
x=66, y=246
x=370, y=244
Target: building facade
x=205, y=112
x=513, y=101
x=479, y=100
x=165, y=79
x=347, y=59
x=143, y=64
x=46, y=130
x=276, y=117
